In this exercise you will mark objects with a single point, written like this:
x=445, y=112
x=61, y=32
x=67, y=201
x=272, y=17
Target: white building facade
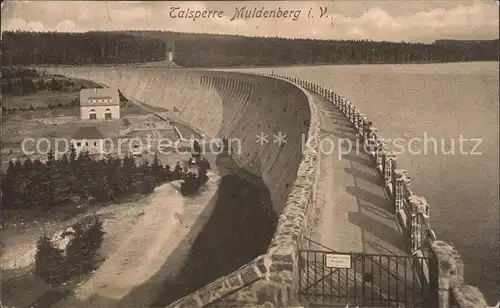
x=88, y=139
x=99, y=104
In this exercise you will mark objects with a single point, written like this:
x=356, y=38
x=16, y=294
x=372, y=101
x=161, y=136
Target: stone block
x=467, y=296
x=249, y=275
x=451, y=266
x=234, y=280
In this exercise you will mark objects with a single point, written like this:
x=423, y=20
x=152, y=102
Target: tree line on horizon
x=29, y=48
x=34, y=48
x=282, y=51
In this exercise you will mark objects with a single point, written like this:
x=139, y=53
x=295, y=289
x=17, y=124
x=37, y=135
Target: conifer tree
x=49, y=261
x=196, y=150
x=156, y=169
x=177, y=173
x=72, y=153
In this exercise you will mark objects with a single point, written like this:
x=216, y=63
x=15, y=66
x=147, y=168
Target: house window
x=92, y=114
x=95, y=143
x=86, y=144
x=78, y=144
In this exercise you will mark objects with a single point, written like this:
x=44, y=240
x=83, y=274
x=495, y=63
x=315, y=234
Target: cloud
x=377, y=20
x=19, y=23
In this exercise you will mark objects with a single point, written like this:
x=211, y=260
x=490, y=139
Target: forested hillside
x=279, y=51
x=195, y=49
x=26, y=48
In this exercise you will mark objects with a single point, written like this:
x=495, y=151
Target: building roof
x=99, y=93
x=87, y=132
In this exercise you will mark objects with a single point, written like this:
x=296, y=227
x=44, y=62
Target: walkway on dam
x=356, y=215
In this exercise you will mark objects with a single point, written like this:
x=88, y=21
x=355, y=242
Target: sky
x=396, y=20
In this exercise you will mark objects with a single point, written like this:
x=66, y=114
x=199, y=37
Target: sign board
x=335, y=260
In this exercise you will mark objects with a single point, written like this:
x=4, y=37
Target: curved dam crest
x=223, y=105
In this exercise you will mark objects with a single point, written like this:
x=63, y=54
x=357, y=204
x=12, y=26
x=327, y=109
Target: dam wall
x=240, y=107
x=223, y=105
x=411, y=210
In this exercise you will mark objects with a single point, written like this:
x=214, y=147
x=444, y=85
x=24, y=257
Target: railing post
x=371, y=141
x=390, y=161
x=361, y=125
x=419, y=209
x=380, y=154
x=400, y=186
x=356, y=119
x=366, y=128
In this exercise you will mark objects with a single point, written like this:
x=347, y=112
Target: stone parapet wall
x=412, y=212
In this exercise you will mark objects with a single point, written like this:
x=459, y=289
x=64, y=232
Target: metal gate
x=331, y=279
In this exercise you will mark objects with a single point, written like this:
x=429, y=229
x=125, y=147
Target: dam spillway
x=234, y=105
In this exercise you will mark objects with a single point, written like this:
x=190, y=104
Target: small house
x=99, y=104
x=88, y=139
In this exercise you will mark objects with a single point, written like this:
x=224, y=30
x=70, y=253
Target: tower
x=170, y=51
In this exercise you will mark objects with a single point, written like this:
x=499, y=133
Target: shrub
x=189, y=185
x=202, y=174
